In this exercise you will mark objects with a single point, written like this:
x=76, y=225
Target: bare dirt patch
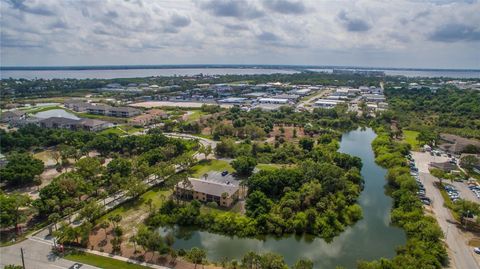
x=287, y=132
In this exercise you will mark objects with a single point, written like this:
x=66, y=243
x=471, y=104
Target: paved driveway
x=461, y=254
x=37, y=254
x=227, y=179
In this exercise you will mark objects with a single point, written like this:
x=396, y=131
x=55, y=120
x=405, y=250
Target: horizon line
x=183, y=66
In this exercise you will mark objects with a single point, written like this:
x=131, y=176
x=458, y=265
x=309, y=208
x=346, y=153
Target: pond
x=56, y=113
x=370, y=238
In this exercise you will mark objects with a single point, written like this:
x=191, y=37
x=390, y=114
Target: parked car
x=224, y=173
x=476, y=250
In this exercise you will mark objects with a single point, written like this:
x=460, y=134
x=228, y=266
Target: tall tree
x=10, y=209
x=197, y=255
x=21, y=169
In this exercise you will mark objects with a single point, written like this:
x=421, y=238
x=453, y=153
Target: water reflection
x=56, y=113
x=370, y=238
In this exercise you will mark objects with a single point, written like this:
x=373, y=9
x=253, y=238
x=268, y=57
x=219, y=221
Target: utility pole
x=23, y=260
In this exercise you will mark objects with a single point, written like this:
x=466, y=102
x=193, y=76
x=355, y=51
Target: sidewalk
x=121, y=258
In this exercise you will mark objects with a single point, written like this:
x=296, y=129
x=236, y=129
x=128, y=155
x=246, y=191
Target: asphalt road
x=37, y=248
x=460, y=253
x=37, y=255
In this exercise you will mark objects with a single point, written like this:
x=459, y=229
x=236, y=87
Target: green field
x=102, y=262
x=41, y=109
x=410, y=137
x=122, y=130
x=210, y=165
x=196, y=115
x=113, y=130
x=139, y=205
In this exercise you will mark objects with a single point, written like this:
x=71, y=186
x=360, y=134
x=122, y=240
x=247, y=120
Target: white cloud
x=361, y=32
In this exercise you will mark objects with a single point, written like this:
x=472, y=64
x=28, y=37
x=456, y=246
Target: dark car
x=426, y=202
x=224, y=173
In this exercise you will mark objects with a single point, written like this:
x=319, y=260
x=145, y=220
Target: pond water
x=56, y=113
x=370, y=238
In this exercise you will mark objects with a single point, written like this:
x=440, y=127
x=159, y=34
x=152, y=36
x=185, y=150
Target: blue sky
x=400, y=33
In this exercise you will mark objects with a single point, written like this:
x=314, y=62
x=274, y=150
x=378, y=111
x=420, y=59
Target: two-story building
x=224, y=194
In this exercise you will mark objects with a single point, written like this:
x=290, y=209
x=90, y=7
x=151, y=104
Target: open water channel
x=370, y=238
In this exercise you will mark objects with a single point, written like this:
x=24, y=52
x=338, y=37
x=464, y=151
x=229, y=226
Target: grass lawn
x=271, y=166
x=45, y=156
x=112, y=130
x=102, y=262
x=411, y=138
x=140, y=204
x=41, y=109
x=210, y=165
x=196, y=115
x=130, y=129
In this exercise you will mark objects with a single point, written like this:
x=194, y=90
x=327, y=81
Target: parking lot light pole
x=23, y=260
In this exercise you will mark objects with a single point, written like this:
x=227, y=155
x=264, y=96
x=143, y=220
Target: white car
x=476, y=250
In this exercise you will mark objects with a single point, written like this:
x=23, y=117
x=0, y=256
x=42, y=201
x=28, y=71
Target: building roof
x=233, y=100
x=59, y=120
x=446, y=166
x=92, y=122
x=123, y=109
x=210, y=187
x=328, y=101
x=286, y=96
x=273, y=100
x=13, y=113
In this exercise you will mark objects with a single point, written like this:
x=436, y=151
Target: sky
x=370, y=33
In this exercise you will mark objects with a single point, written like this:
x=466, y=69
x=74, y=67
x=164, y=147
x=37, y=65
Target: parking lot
x=422, y=161
x=226, y=179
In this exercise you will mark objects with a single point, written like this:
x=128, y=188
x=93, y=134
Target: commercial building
x=374, y=98
x=149, y=118
x=456, y=144
x=224, y=195
x=102, y=109
x=93, y=125
x=59, y=123
x=445, y=166
x=76, y=105
x=290, y=97
x=302, y=92
x=233, y=100
x=74, y=124
x=327, y=103
x=12, y=116
x=272, y=101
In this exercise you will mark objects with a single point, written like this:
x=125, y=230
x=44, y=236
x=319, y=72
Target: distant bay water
x=106, y=72
x=134, y=73
x=418, y=72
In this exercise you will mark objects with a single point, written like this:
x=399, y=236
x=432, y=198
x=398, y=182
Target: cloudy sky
x=399, y=33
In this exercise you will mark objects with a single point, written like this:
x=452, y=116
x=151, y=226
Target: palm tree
x=68, y=212
x=208, y=151
x=187, y=186
x=54, y=218
x=205, y=176
x=149, y=202
x=104, y=225
x=224, y=196
x=103, y=195
x=133, y=239
x=197, y=255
